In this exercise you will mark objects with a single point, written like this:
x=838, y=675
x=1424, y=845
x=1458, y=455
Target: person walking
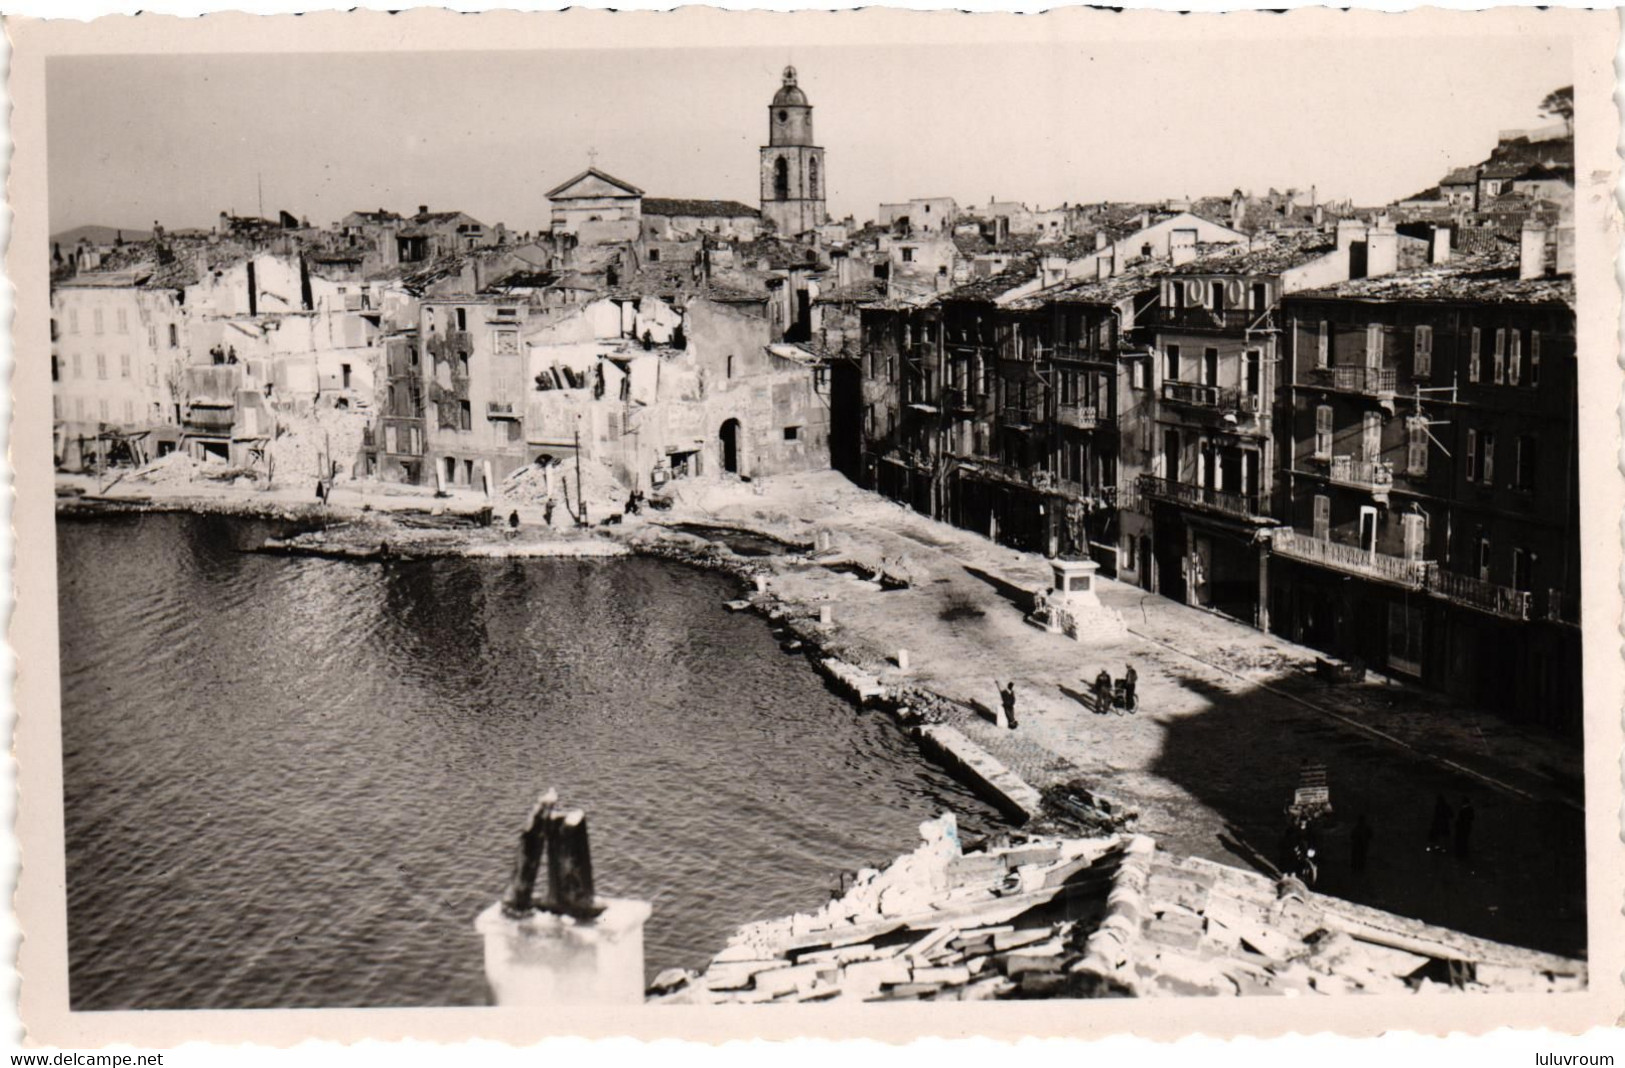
x=1007, y=695
x=1359, y=843
x=1464, y=826
x=1439, y=829
x=1103, y=692
x=1130, y=677
x=547, y=512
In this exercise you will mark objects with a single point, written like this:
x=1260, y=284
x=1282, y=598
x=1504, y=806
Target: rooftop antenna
x=259, y=179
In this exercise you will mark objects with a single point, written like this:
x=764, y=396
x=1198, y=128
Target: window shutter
x=1415, y=531
x=1323, y=516
x=1373, y=345
x=1323, y=354
x=1472, y=455
x=1534, y=357
x=1474, y=354
x=1423, y=361
x=1489, y=459
x=1500, y=355
x=1515, y=358
x=1323, y=431
x=1416, y=457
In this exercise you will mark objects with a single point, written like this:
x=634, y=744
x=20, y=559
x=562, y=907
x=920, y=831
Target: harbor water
x=294, y=782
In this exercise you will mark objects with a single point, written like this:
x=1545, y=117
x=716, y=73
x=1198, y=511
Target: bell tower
x=792, y=165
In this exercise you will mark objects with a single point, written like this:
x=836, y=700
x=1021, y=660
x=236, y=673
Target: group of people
x=1446, y=821
x=1104, y=686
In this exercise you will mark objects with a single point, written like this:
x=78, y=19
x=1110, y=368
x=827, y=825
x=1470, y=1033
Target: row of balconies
x=1424, y=575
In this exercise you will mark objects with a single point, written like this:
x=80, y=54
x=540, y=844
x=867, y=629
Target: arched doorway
x=730, y=446
x=781, y=179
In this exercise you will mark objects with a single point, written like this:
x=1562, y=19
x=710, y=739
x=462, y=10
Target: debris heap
x=1028, y=917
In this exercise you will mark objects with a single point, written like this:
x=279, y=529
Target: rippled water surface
x=295, y=782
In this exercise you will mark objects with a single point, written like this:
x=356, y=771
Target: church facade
x=793, y=180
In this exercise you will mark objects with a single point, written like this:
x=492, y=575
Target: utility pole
x=259, y=180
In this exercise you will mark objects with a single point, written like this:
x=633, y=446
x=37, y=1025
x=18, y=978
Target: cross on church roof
x=592, y=157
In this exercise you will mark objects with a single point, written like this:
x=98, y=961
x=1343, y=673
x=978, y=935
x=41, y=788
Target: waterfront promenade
x=1227, y=714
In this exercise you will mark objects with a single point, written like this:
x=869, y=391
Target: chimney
x=1349, y=231
x=1100, y=240
x=423, y=209
x=1382, y=251
x=1320, y=215
x=1439, y=245
x=1478, y=184
x=1565, y=250
x=1532, y=252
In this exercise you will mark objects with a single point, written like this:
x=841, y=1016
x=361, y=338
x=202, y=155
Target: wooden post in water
x=571, y=947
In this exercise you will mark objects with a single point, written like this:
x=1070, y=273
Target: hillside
x=98, y=235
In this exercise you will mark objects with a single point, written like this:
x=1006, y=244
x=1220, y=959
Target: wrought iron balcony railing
x=1241, y=505
x=1351, y=559
x=1473, y=592
x=1372, y=381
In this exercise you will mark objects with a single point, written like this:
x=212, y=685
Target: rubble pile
x=1031, y=917
x=605, y=494
x=176, y=469
x=302, y=439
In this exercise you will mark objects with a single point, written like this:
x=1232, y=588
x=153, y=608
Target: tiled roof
x=986, y=290
x=1030, y=917
x=1269, y=257
x=863, y=291
x=1104, y=292
x=703, y=209
x=1490, y=278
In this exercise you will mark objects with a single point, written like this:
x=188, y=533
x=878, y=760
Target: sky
x=179, y=138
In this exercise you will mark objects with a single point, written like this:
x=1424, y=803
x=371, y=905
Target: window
x=1136, y=374
x=1534, y=357
x=1416, y=446
x=908, y=255
x=101, y=410
x=1523, y=570
x=1422, y=353
x=124, y=365
x=1323, y=432
x=96, y=319
x=812, y=181
x=465, y=415
x=654, y=255
x=78, y=366
x=462, y=363
x=1210, y=367
x=1373, y=345
x=1515, y=358
x=1414, y=528
x=1472, y=455
x=1487, y=467
x=174, y=336
x=792, y=433
x=1475, y=355
x=73, y=320
x=152, y=336
x=505, y=342
x=1323, y=350
x=101, y=365
x=1323, y=517
x=1483, y=558
x=462, y=318
x=129, y=411
x=1524, y=462
x=1170, y=364
x=1371, y=436
x=123, y=321
x=1500, y=364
